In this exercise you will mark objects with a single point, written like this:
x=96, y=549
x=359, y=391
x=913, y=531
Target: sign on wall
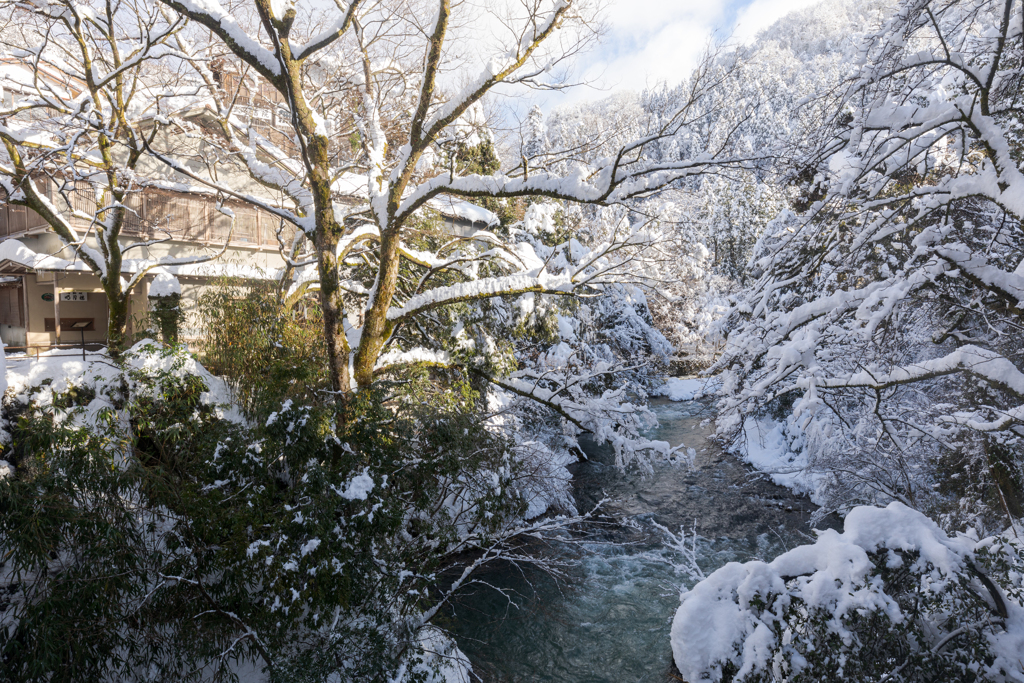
x=74, y=296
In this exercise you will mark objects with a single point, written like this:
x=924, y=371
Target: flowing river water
x=607, y=619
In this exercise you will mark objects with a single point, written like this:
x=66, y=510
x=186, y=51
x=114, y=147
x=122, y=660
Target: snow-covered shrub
x=891, y=598
x=289, y=544
x=85, y=528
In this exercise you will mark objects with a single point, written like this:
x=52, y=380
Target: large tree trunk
x=377, y=327
x=328, y=232
x=333, y=313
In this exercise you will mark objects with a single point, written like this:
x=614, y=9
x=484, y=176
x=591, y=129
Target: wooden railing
x=78, y=348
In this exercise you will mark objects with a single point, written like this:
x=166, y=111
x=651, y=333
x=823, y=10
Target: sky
x=652, y=41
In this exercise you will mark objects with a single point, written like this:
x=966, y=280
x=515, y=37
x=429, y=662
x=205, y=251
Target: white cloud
x=648, y=16
x=666, y=53
x=648, y=41
x=652, y=41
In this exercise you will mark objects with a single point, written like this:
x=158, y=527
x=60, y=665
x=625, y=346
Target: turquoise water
x=607, y=617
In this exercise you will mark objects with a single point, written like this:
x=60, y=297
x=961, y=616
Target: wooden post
x=24, y=303
x=130, y=326
x=56, y=309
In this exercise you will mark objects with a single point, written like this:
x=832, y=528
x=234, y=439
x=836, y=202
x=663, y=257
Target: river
x=607, y=618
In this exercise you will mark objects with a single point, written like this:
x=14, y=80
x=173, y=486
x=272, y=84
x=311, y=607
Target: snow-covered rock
x=687, y=389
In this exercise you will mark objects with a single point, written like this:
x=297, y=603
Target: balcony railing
x=154, y=214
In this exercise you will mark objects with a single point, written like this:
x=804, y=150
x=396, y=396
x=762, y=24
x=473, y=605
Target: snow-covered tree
x=764, y=101
x=534, y=141
x=885, y=321
x=393, y=76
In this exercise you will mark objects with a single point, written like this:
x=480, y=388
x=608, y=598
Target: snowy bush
x=281, y=544
x=891, y=598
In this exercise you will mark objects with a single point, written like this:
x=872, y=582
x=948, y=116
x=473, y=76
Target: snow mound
x=39, y=380
x=164, y=284
x=741, y=613
x=769, y=447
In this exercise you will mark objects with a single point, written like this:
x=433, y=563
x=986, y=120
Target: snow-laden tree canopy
x=351, y=103
x=883, y=328
x=764, y=101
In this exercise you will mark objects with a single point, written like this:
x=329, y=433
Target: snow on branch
x=482, y=288
x=968, y=358
x=418, y=356
x=213, y=16
x=1003, y=421
x=609, y=183
x=1008, y=285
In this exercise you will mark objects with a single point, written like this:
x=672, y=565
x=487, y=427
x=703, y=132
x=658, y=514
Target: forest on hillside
x=813, y=242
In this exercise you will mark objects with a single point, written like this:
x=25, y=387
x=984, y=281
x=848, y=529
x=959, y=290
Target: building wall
x=190, y=328
x=96, y=308
x=262, y=256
